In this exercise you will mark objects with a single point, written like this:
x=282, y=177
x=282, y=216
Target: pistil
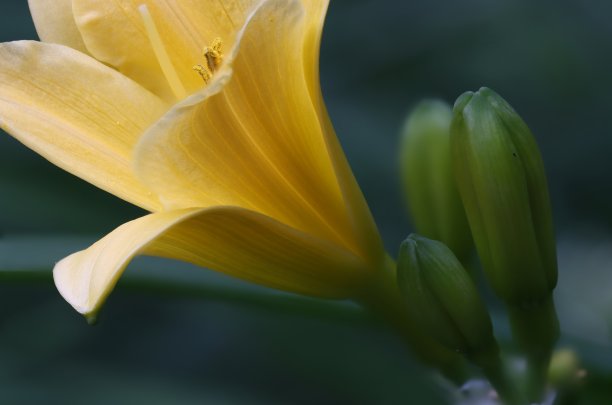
x=162, y=54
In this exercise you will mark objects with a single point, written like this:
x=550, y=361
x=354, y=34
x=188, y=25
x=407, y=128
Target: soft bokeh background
x=551, y=59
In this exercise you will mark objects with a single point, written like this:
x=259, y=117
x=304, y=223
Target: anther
x=213, y=58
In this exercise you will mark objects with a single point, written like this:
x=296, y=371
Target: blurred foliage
x=550, y=59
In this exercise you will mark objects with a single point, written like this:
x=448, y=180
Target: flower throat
x=212, y=56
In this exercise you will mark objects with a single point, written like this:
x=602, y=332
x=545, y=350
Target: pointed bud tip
x=485, y=95
x=426, y=248
x=430, y=106
x=429, y=115
x=462, y=101
x=415, y=238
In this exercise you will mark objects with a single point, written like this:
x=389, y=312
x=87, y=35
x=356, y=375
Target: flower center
x=162, y=54
x=213, y=58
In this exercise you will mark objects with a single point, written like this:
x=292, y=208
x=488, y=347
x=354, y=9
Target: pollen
x=212, y=60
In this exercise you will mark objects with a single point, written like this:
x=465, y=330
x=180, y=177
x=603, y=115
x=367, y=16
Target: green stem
x=536, y=330
x=498, y=378
x=494, y=369
x=568, y=396
x=384, y=300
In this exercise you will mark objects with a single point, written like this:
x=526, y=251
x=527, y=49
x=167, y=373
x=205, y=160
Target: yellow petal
x=55, y=23
x=78, y=113
x=358, y=210
x=115, y=34
x=260, y=143
x=227, y=239
x=257, y=144
x=316, y=12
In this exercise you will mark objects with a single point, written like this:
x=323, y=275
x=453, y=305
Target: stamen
x=213, y=57
x=162, y=55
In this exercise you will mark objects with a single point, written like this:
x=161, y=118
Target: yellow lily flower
x=208, y=114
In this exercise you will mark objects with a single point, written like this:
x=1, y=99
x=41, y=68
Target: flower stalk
x=384, y=300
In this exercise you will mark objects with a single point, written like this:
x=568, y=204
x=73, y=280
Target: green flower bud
x=442, y=297
x=501, y=179
x=427, y=179
x=443, y=301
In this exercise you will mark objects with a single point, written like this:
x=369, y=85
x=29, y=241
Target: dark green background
x=551, y=59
